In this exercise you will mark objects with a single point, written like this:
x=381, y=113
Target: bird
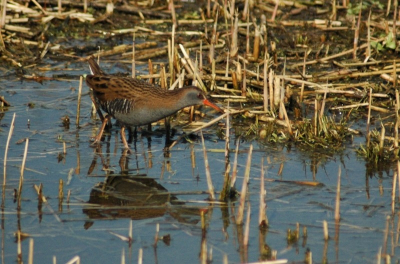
x=135, y=102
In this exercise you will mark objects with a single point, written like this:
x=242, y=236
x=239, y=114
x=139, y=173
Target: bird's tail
x=94, y=67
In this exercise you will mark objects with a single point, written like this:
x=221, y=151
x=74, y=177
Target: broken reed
x=21, y=179
x=337, y=204
x=10, y=132
x=207, y=169
x=225, y=192
x=262, y=217
x=78, y=108
x=243, y=193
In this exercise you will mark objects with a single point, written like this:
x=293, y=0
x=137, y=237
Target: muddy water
x=108, y=188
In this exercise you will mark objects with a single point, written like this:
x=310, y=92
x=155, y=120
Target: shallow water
x=89, y=230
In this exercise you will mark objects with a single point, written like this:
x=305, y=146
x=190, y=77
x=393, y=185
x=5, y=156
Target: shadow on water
x=136, y=197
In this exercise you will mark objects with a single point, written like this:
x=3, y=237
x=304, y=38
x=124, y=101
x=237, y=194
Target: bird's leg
x=167, y=125
x=100, y=134
x=132, y=134
x=124, y=138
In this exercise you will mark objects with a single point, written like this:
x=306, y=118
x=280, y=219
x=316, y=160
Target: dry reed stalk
x=60, y=190
x=192, y=158
x=171, y=7
x=21, y=179
x=262, y=217
x=201, y=58
x=368, y=51
x=395, y=10
x=59, y=7
x=245, y=12
x=337, y=203
x=333, y=17
x=10, y=132
x=172, y=59
x=398, y=178
x=239, y=72
x=123, y=256
x=234, y=171
x=239, y=216
x=203, y=249
x=247, y=226
x=133, y=57
x=396, y=174
x=78, y=108
x=140, y=256
x=64, y=148
x=215, y=120
x=388, y=7
x=130, y=232
x=30, y=254
x=225, y=189
x=234, y=33
x=207, y=169
x=39, y=6
x=213, y=85
x=211, y=53
x=311, y=84
x=225, y=259
x=234, y=80
x=322, y=111
x=19, y=247
x=194, y=69
x=68, y=196
x=337, y=55
x=369, y=117
x=272, y=19
x=308, y=257
x=271, y=77
x=289, y=126
x=265, y=86
x=382, y=140
x=397, y=229
x=156, y=235
x=357, y=33
x=3, y=17
x=350, y=106
x=385, y=237
x=151, y=72
x=325, y=227
x=256, y=44
x=244, y=86
x=277, y=91
x=394, y=76
x=75, y=259
x=163, y=77
x=315, y=116
x=247, y=31
x=203, y=219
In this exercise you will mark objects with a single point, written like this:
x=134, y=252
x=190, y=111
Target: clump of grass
x=326, y=134
x=378, y=153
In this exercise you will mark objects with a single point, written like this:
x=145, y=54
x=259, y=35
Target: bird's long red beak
x=216, y=107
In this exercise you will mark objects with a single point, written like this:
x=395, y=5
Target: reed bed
x=286, y=80
x=240, y=59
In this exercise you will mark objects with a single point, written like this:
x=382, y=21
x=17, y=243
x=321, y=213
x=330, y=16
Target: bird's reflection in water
x=124, y=195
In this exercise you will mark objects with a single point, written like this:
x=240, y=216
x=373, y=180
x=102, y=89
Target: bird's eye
x=200, y=96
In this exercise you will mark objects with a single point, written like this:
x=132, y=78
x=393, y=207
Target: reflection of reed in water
x=136, y=197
